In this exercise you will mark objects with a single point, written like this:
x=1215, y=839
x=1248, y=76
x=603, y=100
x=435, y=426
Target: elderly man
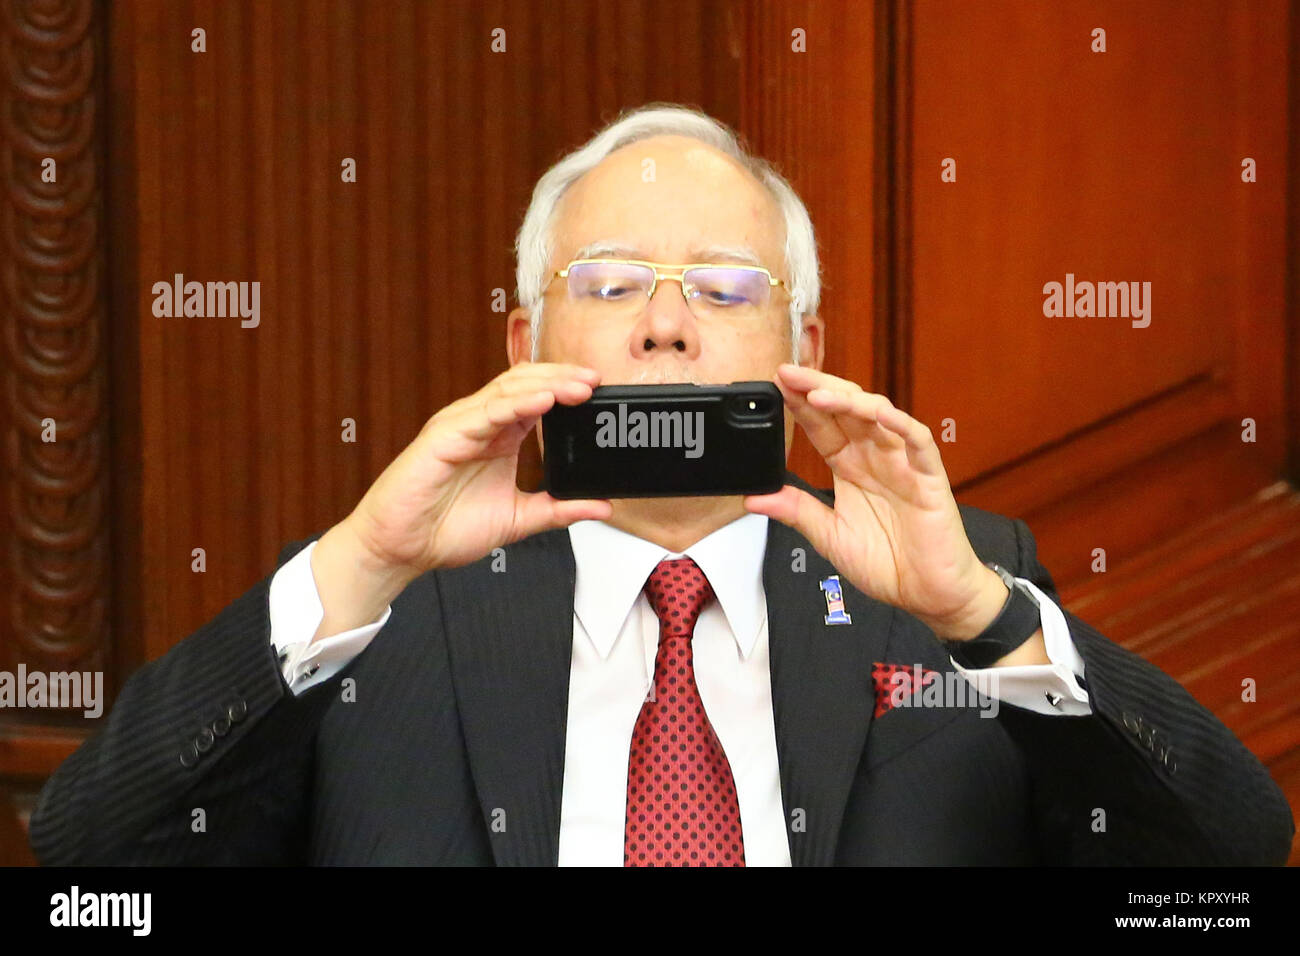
x=461, y=672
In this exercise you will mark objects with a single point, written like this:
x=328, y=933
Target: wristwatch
x=1016, y=623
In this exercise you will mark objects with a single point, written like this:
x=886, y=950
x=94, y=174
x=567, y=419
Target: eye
x=608, y=292
x=718, y=296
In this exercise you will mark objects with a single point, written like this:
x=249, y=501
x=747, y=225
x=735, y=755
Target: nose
x=667, y=324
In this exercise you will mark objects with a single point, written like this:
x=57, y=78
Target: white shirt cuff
x=1043, y=688
x=296, y=613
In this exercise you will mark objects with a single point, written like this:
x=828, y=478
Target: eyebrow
x=741, y=255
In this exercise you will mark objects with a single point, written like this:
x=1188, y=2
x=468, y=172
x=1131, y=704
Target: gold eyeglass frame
x=661, y=270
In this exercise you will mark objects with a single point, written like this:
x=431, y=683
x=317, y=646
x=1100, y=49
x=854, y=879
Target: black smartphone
x=647, y=441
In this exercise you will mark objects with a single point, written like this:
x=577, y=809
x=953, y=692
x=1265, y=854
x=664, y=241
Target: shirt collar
x=612, y=568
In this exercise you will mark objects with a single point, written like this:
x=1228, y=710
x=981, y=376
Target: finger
x=484, y=424
x=523, y=378
x=566, y=390
x=922, y=452
x=804, y=381
x=539, y=511
x=825, y=435
x=856, y=414
x=801, y=378
x=516, y=381
x=509, y=409
x=551, y=370
x=848, y=412
x=518, y=402
x=801, y=511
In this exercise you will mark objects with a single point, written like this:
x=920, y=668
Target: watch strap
x=1015, y=624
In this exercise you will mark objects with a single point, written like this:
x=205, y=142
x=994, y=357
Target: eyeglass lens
x=616, y=287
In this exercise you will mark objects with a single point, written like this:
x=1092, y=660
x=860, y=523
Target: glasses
x=617, y=288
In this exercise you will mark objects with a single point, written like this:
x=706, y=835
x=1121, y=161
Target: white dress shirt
x=615, y=640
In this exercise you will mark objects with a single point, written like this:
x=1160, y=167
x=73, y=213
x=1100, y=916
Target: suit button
x=204, y=740
x=237, y=710
x=189, y=755
x=221, y=726
x=1130, y=723
x=1170, y=763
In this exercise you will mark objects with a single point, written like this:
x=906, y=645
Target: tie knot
x=678, y=591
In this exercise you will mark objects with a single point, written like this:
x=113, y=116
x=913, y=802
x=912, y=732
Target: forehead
x=670, y=199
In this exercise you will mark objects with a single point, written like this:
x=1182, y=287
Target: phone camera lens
x=751, y=406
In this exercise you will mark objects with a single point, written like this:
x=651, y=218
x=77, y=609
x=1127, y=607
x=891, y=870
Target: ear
x=519, y=337
x=519, y=348
x=812, y=342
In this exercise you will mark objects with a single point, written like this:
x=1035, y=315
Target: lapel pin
x=835, y=613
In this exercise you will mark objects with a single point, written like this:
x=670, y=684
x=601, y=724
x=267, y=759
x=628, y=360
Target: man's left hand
x=895, y=532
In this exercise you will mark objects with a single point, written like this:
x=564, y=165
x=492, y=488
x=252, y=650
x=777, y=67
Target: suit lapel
x=510, y=635
x=510, y=640
x=822, y=692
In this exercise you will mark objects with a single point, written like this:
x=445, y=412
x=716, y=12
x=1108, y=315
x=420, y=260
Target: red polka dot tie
x=682, y=808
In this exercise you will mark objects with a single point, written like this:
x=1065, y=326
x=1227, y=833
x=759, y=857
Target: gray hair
x=534, y=243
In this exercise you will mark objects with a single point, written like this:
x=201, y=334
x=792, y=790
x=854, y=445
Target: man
x=459, y=672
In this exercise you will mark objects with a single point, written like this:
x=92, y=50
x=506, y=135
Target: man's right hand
x=450, y=497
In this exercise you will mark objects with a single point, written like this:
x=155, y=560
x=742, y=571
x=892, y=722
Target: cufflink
x=307, y=673
x=1054, y=699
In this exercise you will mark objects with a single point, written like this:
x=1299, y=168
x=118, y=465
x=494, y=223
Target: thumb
x=801, y=511
x=539, y=511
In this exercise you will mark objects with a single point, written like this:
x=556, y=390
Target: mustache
x=667, y=375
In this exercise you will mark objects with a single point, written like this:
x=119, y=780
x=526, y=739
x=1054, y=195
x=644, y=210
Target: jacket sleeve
x=205, y=757
x=1151, y=777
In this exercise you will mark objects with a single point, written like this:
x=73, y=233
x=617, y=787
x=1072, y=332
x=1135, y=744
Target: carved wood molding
x=55, y=364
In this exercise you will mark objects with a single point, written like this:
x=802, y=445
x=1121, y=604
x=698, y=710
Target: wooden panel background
x=376, y=296
x=56, y=517
x=1112, y=166
x=814, y=115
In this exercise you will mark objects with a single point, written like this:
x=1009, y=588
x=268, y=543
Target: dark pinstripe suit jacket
x=459, y=721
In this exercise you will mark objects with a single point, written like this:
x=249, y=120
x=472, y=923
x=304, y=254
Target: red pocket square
x=897, y=681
